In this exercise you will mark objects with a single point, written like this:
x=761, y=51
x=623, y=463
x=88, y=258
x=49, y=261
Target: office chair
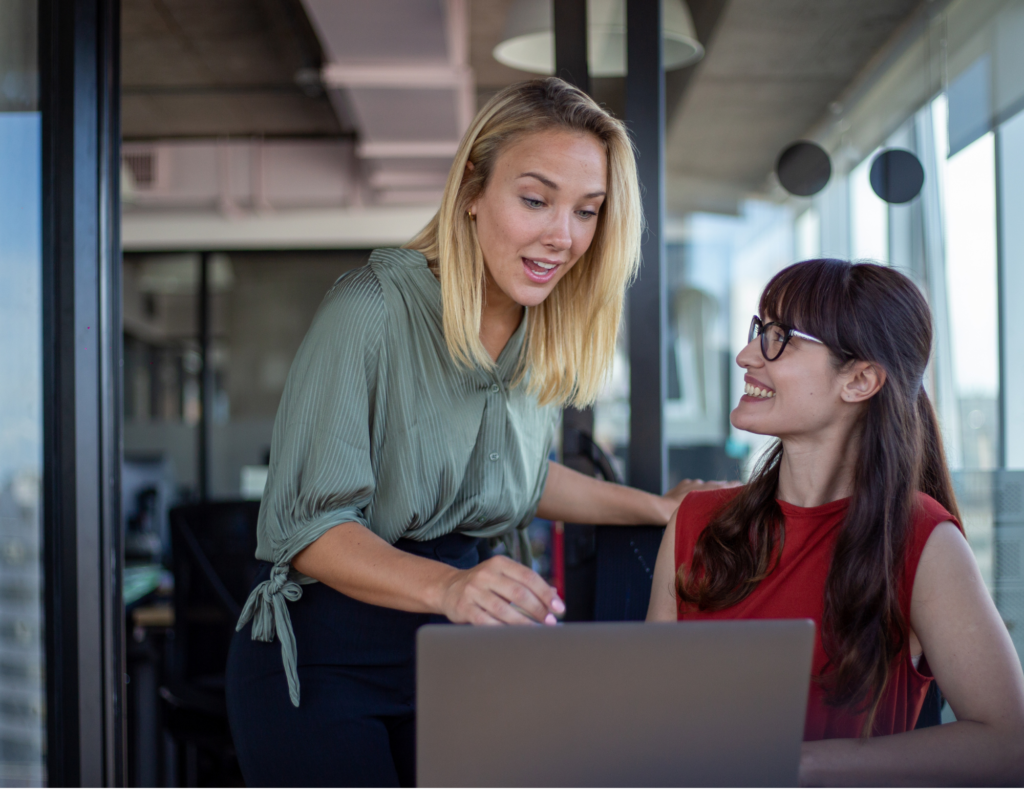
x=213, y=548
x=624, y=556
x=609, y=569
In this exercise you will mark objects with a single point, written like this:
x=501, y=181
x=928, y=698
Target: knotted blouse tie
x=267, y=608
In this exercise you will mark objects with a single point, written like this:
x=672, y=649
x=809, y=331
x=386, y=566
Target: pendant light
x=529, y=42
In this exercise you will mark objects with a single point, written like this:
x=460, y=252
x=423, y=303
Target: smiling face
x=800, y=393
x=538, y=213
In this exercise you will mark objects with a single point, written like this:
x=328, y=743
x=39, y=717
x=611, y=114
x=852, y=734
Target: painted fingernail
x=557, y=605
x=550, y=620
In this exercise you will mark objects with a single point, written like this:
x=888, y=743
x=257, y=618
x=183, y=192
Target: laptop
x=713, y=703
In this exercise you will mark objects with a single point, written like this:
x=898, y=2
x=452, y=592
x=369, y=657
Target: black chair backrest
x=624, y=556
x=213, y=557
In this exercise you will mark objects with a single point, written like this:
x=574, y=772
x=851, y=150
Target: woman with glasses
x=850, y=520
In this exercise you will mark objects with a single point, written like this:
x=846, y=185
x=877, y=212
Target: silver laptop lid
x=717, y=703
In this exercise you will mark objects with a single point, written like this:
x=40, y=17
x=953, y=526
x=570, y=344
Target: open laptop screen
x=613, y=704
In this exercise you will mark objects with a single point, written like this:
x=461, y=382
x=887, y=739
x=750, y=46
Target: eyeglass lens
x=773, y=338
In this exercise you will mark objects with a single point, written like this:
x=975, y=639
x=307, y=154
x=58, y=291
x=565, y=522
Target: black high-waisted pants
x=356, y=724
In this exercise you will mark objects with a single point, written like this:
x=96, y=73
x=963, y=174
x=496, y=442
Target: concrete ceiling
x=398, y=69
x=487, y=25
x=771, y=72
x=257, y=68
x=215, y=68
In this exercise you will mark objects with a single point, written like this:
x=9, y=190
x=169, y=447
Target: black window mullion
x=81, y=349
x=112, y=389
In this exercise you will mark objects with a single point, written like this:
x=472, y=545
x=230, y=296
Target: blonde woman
x=417, y=420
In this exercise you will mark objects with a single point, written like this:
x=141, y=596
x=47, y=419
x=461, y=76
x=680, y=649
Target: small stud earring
x=471, y=215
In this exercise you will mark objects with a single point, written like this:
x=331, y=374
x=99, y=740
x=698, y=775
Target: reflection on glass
x=22, y=675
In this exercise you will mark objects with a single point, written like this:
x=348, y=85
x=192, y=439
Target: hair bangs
x=812, y=296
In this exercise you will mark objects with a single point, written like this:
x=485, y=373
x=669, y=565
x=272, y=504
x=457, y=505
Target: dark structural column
x=625, y=555
x=645, y=114
x=570, y=18
x=570, y=25
x=78, y=54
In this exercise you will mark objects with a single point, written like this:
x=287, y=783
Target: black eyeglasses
x=775, y=337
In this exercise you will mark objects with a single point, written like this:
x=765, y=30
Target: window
x=22, y=731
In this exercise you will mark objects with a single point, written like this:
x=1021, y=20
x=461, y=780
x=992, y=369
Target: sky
x=20, y=295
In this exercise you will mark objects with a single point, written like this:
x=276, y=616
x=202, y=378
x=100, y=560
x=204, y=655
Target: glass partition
x=259, y=305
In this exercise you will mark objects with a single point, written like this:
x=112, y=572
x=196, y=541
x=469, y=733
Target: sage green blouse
x=379, y=425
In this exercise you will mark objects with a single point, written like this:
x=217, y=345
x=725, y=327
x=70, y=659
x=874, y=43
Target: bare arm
x=970, y=653
x=360, y=564
x=663, y=588
x=570, y=496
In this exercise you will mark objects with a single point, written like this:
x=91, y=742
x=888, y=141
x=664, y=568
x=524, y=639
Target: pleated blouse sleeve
x=320, y=469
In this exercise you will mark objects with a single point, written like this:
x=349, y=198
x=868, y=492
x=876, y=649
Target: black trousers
x=356, y=725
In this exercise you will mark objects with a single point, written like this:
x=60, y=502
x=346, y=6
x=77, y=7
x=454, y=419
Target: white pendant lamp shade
x=529, y=41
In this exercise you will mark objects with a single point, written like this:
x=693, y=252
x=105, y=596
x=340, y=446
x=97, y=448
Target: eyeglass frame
x=790, y=334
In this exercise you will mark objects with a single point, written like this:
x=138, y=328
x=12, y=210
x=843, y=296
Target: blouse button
x=493, y=457
x=495, y=388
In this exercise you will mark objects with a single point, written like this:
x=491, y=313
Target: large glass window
x=969, y=211
x=22, y=733
x=1011, y=209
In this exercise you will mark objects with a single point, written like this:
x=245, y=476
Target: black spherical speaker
x=896, y=176
x=803, y=168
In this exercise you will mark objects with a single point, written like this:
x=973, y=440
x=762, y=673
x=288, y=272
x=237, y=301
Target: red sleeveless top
x=795, y=589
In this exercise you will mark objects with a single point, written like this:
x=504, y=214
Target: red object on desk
x=558, y=558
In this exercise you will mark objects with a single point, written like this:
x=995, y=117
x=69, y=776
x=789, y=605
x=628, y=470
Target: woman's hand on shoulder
x=500, y=591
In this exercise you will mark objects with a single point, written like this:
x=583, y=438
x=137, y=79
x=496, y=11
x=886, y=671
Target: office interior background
x=267, y=145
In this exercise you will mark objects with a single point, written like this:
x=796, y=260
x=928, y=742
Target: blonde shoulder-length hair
x=570, y=337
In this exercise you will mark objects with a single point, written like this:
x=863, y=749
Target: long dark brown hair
x=875, y=314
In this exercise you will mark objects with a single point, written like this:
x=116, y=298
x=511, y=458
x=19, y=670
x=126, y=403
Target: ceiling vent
x=147, y=166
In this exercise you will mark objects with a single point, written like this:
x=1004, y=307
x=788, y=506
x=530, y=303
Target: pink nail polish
x=550, y=620
x=557, y=605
